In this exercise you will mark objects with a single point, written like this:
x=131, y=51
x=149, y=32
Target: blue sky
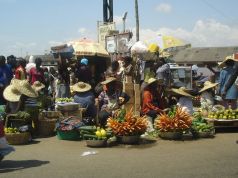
x=32, y=26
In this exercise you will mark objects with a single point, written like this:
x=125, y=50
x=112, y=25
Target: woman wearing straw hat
x=12, y=95
x=85, y=97
x=184, y=99
x=28, y=100
x=43, y=100
x=110, y=99
x=207, y=94
x=227, y=70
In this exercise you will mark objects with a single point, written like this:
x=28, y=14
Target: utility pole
x=137, y=20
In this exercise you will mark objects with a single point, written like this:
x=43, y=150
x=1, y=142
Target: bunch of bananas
x=64, y=100
x=11, y=130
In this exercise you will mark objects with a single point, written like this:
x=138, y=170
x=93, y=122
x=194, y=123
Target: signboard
x=111, y=44
x=103, y=30
x=122, y=42
x=118, y=43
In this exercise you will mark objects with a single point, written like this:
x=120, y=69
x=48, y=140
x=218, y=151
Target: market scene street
x=107, y=89
x=50, y=157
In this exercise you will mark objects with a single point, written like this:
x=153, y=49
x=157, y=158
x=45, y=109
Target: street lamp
x=124, y=21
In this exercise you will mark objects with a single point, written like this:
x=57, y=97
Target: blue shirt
x=5, y=75
x=86, y=100
x=225, y=74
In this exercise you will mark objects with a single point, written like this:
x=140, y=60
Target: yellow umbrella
x=165, y=42
x=86, y=47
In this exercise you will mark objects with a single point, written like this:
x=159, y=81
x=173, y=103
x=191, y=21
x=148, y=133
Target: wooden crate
x=225, y=124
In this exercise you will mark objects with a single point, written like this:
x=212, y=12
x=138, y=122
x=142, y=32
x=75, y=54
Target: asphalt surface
x=53, y=158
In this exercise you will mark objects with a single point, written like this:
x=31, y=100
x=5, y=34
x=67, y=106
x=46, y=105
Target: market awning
x=86, y=47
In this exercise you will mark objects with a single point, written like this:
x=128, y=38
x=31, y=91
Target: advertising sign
x=103, y=30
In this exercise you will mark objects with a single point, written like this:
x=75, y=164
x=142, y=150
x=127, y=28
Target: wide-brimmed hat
x=181, y=91
x=37, y=86
x=11, y=93
x=108, y=80
x=153, y=80
x=26, y=89
x=223, y=63
x=208, y=85
x=81, y=87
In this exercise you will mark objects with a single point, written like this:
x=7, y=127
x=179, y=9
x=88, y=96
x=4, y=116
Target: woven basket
x=46, y=127
x=18, y=138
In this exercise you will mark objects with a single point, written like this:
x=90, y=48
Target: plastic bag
x=139, y=47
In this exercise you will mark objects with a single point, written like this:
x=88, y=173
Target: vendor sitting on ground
x=150, y=104
x=207, y=94
x=12, y=96
x=110, y=99
x=28, y=101
x=43, y=100
x=85, y=97
x=184, y=99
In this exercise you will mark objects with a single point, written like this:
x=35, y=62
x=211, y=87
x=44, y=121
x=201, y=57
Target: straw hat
x=11, y=94
x=26, y=89
x=108, y=80
x=181, y=91
x=37, y=86
x=223, y=63
x=81, y=87
x=152, y=80
x=208, y=85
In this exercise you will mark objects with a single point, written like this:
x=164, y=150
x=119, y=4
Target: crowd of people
x=24, y=84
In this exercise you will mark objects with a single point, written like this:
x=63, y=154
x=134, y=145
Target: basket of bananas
x=14, y=137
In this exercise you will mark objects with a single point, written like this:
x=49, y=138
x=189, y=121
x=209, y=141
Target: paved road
x=53, y=158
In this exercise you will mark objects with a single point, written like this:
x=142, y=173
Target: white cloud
x=164, y=7
x=82, y=30
x=118, y=20
x=204, y=33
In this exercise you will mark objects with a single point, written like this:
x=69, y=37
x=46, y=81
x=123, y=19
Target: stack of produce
x=227, y=114
x=64, y=100
x=176, y=120
x=94, y=133
x=127, y=124
x=11, y=130
x=199, y=124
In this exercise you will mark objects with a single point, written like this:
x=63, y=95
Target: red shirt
x=1, y=129
x=147, y=104
x=20, y=73
x=36, y=75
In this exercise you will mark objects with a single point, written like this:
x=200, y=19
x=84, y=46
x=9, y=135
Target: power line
x=218, y=10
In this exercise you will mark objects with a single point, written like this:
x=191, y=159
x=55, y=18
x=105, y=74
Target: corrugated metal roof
x=203, y=54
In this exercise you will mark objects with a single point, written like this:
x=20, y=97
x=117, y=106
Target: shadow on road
x=11, y=165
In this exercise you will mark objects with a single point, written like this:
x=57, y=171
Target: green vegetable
x=87, y=137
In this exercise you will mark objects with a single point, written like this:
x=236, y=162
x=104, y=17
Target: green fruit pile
x=94, y=133
x=199, y=124
x=64, y=100
x=11, y=130
x=227, y=114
